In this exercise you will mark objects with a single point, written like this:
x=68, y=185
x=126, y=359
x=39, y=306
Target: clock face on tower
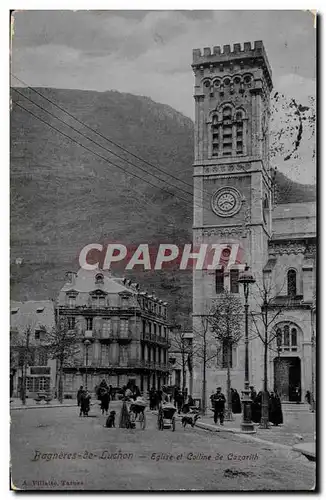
x=226, y=201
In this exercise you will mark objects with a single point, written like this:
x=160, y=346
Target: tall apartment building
x=123, y=332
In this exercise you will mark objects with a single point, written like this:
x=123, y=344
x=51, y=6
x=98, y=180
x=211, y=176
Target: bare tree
x=64, y=345
x=20, y=347
x=181, y=344
x=226, y=324
x=205, y=350
x=262, y=322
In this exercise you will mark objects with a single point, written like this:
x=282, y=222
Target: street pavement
x=297, y=426
x=55, y=449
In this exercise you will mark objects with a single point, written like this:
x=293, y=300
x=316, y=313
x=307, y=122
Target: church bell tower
x=232, y=181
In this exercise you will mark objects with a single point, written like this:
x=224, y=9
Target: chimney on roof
x=71, y=276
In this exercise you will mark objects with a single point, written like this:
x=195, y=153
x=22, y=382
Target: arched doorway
x=287, y=378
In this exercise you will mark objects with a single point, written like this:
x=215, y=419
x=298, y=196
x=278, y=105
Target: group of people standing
x=158, y=396
x=275, y=413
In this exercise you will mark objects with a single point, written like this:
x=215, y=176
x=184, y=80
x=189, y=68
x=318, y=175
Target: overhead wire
x=108, y=150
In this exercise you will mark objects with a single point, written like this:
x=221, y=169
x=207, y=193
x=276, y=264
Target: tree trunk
x=25, y=368
x=264, y=422
x=204, y=383
x=23, y=387
x=60, y=388
x=183, y=372
x=228, y=413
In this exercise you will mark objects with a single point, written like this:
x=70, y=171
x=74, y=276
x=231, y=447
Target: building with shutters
x=28, y=347
x=124, y=332
x=235, y=204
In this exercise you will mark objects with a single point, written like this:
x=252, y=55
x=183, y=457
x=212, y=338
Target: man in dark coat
x=218, y=401
x=275, y=409
x=105, y=401
x=158, y=398
x=152, y=399
x=236, y=403
x=179, y=401
x=85, y=400
x=79, y=393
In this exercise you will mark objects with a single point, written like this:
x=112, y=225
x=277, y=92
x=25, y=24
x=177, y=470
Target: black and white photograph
x=163, y=211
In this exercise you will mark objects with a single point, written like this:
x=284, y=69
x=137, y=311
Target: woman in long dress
x=275, y=409
x=105, y=400
x=236, y=403
x=256, y=408
x=124, y=416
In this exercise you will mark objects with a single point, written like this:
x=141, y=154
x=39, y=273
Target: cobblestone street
x=119, y=459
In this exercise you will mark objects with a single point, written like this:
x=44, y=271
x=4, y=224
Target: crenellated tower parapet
x=238, y=59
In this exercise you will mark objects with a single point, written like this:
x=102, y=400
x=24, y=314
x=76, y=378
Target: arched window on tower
x=228, y=133
x=227, y=139
x=239, y=132
x=215, y=136
x=292, y=283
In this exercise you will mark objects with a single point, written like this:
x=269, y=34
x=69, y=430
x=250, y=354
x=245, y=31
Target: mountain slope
x=64, y=197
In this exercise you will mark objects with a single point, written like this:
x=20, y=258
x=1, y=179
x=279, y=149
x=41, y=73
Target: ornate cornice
x=225, y=231
x=287, y=248
x=230, y=168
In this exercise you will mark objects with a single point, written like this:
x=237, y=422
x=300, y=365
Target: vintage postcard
x=163, y=250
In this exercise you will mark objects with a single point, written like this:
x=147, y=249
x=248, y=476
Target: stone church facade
x=234, y=203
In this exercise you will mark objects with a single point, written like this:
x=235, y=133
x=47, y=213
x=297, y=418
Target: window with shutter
x=234, y=284
x=219, y=280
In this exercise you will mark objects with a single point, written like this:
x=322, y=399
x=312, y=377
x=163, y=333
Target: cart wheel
x=173, y=424
x=142, y=420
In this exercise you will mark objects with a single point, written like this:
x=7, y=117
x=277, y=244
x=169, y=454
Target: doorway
x=287, y=378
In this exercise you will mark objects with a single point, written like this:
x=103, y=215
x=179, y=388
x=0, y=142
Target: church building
x=234, y=203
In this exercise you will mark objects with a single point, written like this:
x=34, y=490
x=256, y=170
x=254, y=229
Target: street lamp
x=86, y=344
x=246, y=278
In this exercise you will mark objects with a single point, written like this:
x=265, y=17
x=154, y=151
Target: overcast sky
x=150, y=52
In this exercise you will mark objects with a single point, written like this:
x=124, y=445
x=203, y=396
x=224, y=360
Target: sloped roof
x=25, y=314
x=294, y=210
x=294, y=220
x=85, y=282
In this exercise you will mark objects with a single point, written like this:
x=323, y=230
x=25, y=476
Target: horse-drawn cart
x=166, y=417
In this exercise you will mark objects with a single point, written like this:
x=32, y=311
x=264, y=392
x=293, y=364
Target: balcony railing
x=98, y=364
x=89, y=308
x=158, y=339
